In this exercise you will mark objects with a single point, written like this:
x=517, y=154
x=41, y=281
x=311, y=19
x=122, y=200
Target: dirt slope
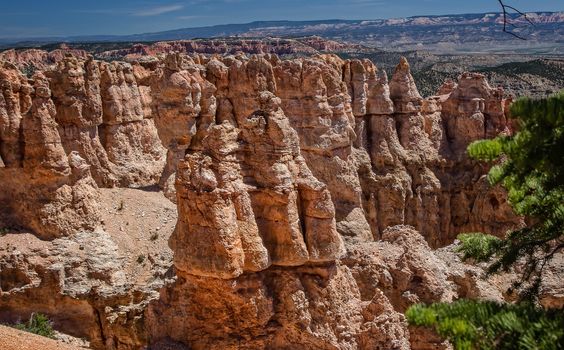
x=13, y=339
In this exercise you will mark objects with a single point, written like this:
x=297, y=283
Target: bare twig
x=507, y=21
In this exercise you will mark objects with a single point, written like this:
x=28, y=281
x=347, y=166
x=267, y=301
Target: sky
x=33, y=18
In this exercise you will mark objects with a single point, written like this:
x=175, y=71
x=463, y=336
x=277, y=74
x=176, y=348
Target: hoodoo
x=310, y=194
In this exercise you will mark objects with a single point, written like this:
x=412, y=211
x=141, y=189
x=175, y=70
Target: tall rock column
x=472, y=110
x=216, y=234
x=248, y=200
x=416, y=123
x=76, y=93
x=60, y=195
x=379, y=152
x=128, y=135
x=294, y=210
x=315, y=99
x=182, y=100
x=15, y=101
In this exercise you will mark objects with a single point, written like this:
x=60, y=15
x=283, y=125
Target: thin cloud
x=159, y=10
x=191, y=17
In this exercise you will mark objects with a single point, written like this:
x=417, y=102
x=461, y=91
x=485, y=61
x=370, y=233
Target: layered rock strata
x=299, y=46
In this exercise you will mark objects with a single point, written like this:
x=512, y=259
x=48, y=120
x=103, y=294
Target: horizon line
x=62, y=37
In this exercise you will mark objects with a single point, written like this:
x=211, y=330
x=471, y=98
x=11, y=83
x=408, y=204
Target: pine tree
x=532, y=172
x=530, y=165
x=470, y=324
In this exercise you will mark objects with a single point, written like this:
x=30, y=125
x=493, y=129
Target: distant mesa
x=465, y=31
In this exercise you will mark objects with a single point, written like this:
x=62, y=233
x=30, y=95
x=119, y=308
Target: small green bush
x=477, y=246
x=37, y=324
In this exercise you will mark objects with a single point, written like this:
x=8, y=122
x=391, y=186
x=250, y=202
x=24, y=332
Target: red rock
x=294, y=180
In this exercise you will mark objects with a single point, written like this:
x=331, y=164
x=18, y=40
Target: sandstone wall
x=385, y=155
x=293, y=181
x=306, y=163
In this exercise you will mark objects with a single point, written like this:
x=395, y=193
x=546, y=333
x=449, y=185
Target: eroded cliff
x=294, y=182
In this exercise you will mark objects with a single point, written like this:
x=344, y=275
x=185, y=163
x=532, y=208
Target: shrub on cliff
x=37, y=324
x=531, y=168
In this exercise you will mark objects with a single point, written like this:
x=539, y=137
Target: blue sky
x=25, y=18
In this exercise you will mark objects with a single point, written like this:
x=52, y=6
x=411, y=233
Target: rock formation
x=72, y=129
x=60, y=195
x=295, y=182
x=31, y=59
x=307, y=45
x=356, y=302
x=263, y=204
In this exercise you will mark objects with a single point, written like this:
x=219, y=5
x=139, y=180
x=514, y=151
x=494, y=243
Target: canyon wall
x=294, y=181
x=385, y=155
